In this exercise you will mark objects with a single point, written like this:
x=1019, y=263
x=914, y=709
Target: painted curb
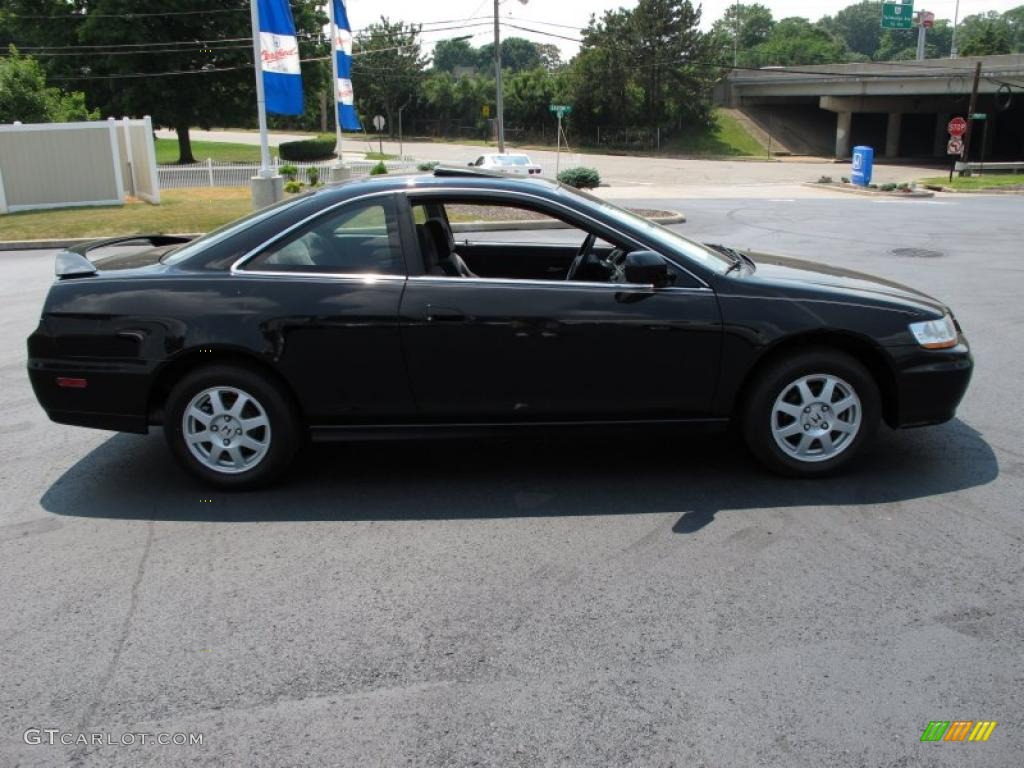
x=675, y=217
x=989, y=191
x=918, y=193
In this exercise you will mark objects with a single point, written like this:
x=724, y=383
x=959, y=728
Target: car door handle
x=438, y=314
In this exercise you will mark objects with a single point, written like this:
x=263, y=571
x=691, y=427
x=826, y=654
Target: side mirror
x=647, y=268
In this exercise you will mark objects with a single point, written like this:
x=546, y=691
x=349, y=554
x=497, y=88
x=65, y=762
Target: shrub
x=581, y=178
x=379, y=169
x=288, y=171
x=825, y=180
x=844, y=179
x=293, y=186
x=428, y=166
x=307, y=149
x=888, y=187
x=313, y=174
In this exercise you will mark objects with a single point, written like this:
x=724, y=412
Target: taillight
x=68, y=382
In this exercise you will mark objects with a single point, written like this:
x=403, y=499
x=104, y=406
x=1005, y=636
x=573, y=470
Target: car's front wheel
x=231, y=427
x=811, y=413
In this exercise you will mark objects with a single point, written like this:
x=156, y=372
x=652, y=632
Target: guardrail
x=1016, y=167
x=217, y=174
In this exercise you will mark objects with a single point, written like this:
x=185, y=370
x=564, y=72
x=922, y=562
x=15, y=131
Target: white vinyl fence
x=56, y=165
x=216, y=174
x=138, y=158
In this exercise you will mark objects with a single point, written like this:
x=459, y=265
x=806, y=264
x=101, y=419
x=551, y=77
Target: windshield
x=182, y=252
x=511, y=160
x=659, y=233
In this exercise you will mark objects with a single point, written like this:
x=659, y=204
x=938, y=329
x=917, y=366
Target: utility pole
x=970, y=116
x=500, y=118
x=736, y=35
x=952, y=44
x=921, y=32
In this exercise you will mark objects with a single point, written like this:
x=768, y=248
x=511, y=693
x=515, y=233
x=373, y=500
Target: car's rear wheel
x=231, y=427
x=811, y=413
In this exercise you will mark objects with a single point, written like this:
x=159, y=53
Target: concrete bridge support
x=843, y=122
x=892, y=134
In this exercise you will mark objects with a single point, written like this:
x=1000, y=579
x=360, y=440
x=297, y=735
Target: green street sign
x=898, y=15
x=560, y=109
x=979, y=116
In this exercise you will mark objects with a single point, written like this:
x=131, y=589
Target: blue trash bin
x=863, y=162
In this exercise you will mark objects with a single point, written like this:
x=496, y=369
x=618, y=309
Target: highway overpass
x=899, y=108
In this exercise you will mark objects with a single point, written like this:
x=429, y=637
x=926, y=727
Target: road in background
x=616, y=169
x=525, y=602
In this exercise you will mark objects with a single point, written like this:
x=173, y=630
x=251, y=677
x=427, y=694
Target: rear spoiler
x=74, y=262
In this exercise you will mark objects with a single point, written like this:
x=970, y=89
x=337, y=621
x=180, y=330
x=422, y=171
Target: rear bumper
x=114, y=398
x=931, y=383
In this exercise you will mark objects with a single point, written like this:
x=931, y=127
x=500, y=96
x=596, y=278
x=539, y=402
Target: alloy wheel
x=226, y=429
x=816, y=417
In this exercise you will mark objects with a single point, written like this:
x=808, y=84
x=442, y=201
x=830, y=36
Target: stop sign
x=957, y=126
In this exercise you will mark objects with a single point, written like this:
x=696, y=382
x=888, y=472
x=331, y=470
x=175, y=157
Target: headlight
x=935, y=334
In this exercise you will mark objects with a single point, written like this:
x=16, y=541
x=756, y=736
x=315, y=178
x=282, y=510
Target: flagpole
x=334, y=82
x=261, y=102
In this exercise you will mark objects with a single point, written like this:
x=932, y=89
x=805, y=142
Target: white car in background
x=513, y=165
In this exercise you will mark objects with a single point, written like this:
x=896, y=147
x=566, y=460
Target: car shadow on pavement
x=134, y=477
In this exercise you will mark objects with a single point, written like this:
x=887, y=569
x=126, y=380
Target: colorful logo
x=958, y=730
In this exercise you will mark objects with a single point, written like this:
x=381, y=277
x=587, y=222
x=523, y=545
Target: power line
x=125, y=15
x=131, y=45
x=147, y=51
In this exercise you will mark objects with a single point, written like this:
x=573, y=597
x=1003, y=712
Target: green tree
x=673, y=61
x=389, y=69
x=1015, y=24
x=797, y=41
x=517, y=53
x=223, y=91
x=449, y=54
x=901, y=44
x=858, y=26
x=528, y=94
x=743, y=25
x=25, y=96
x=985, y=34
x=550, y=56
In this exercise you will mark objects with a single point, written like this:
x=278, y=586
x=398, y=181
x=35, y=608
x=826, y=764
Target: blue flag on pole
x=347, y=117
x=279, y=49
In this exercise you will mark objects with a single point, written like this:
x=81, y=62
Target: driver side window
x=357, y=238
x=495, y=239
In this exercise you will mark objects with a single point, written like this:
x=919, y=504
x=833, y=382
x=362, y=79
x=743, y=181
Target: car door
x=501, y=349
x=327, y=294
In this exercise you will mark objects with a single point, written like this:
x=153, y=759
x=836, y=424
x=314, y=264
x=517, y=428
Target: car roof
x=443, y=178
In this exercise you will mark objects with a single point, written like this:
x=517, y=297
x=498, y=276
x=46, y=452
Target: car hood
x=772, y=269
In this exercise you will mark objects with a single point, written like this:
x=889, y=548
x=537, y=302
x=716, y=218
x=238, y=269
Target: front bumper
x=930, y=383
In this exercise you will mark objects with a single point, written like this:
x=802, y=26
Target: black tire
x=282, y=438
x=757, y=414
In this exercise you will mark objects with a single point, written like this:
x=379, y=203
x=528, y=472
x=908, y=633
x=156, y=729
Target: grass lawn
x=977, y=183
x=167, y=151
x=727, y=138
x=181, y=210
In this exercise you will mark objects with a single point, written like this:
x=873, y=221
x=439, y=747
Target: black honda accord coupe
x=463, y=302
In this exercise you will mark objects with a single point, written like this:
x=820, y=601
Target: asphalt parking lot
x=599, y=602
